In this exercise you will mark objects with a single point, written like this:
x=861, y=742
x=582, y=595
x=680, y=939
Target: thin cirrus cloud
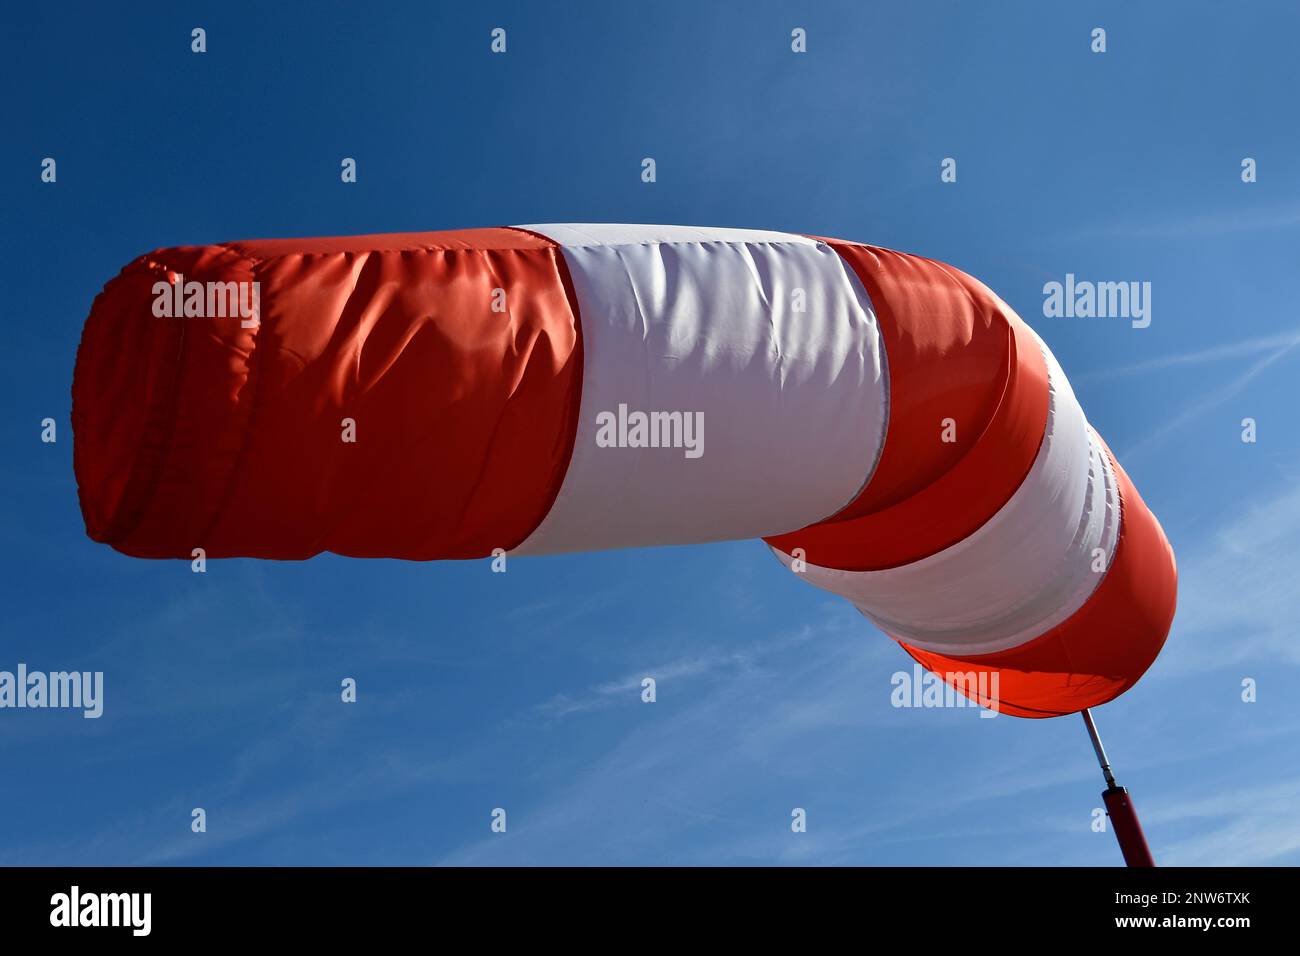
x=707, y=662
x=1212, y=399
x=1231, y=828
x=1211, y=223
x=676, y=788
x=1275, y=346
x=1240, y=582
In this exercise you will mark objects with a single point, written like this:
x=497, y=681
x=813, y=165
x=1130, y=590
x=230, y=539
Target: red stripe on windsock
x=198, y=433
x=1104, y=647
x=954, y=350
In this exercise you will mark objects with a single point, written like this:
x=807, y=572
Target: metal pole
x=1096, y=745
x=1123, y=818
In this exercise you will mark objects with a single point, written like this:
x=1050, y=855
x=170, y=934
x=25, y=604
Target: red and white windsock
x=887, y=424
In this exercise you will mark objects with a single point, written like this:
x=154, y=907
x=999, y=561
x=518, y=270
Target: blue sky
x=522, y=690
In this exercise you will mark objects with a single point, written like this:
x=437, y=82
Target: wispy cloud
x=707, y=662
x=1211, y=399
x=605, y=695
x=709, y=745
x=1269, y=344
x=1237, y=591
x=250, y=796
x=1235, y=827
x=1214, y=222
x=808, y=710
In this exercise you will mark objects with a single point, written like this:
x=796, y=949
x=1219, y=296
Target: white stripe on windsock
x=1026, y=570
x=765, y=339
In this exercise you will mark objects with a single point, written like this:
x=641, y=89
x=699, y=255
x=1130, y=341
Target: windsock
x=889, y=426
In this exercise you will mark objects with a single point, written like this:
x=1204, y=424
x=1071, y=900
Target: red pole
x=1119, y=807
